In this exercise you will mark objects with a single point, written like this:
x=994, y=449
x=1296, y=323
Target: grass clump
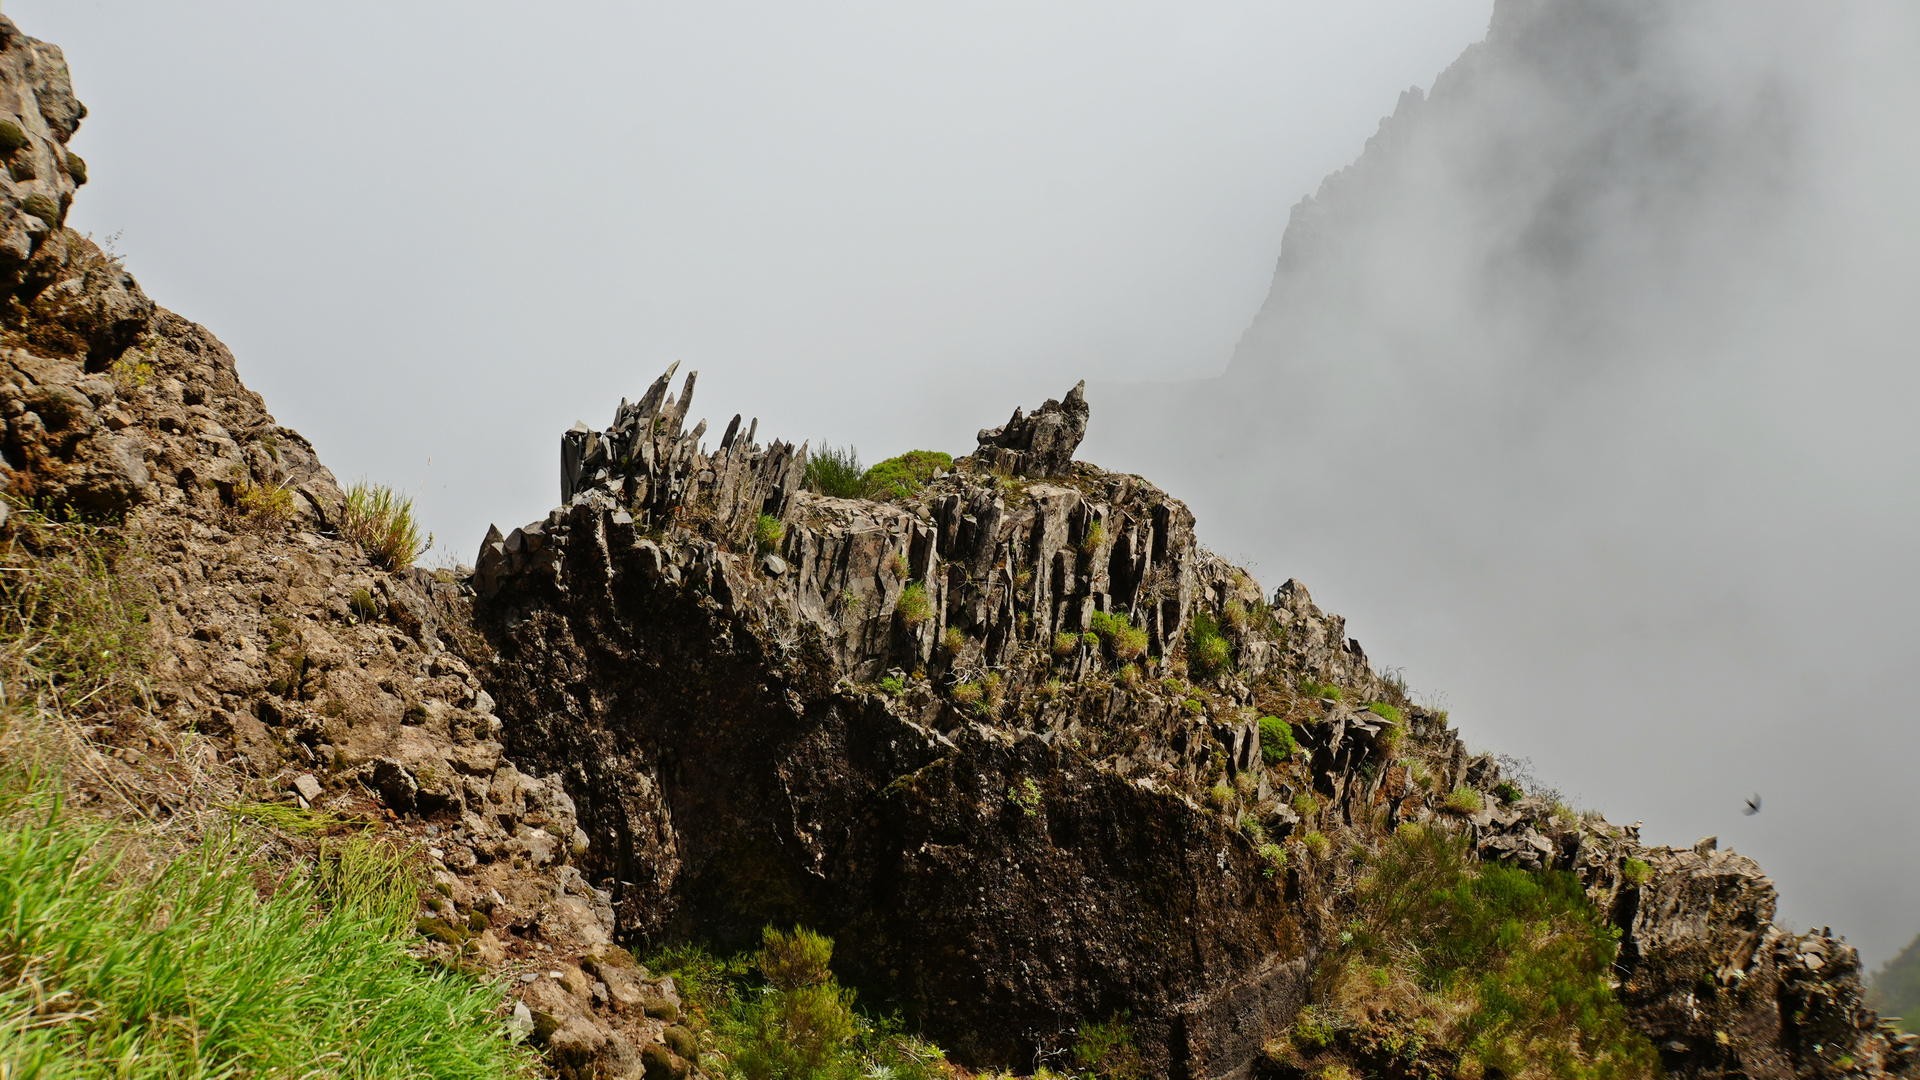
x=1636, y=870
x=768, y=531
x=954, y=640
x=1209, y=654
x=835, y=470
x=1386, y=712
x=779, y=1014
x=1274, y=856
x=1305, y=804
x=1317, y=844
x=1126, y=641
x=914, y=607
x=1105, y=1050
x=1277, y=743
x=1501, y=971
x=1095, y=536
x=185, y=971
x=268, y=507
x=1318, y=690
x=1465, y=800
x=381, y=521
x=899, y=477
x=1065, y=645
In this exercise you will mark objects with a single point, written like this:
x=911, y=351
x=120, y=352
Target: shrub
x=954, y=640
x=1106, y=1050
x=968, y=693
x=1193, y=707
x=768, y=531
x=1636, y=871
x=1026, y=796
x=1305, y=804
x=1126, y=641
x=1317, y=844
x=835, y=470
x=915, y=609
x=1220, y=796
x=1507, y=791
x=380, y=520
x=899, y=477
x=1208, y=652
x=1465, y=800
x=893, y=685
x=1515, y=964
x=804, y=1026
x=1385, y=712
x=1065, y=644
x=1276, y=740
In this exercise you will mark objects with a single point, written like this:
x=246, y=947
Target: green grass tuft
x=899, y=477
x=835, y=470
x=187, y=972
x=381, y=521
x=1126, y=641
x=1277, y=743
x=1209, y=654
x=916, y=610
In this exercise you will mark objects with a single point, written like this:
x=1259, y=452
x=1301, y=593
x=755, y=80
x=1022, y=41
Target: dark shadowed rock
x=1041, y=445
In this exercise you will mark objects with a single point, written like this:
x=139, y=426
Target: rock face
x=1041, y=445
x=37, y=116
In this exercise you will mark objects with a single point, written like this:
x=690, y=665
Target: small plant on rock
x=768, y=531
x=1126, y=641
x=835, y=470
x=1275, y=857
x=1466, y=800
x=1065, y=644
x=915, y=609
x=380, y=520
x=1305, y=804
x=1095, y=536
x=1026, y=796
x=1636, y=870
x=899, y=477
x=267, y=507
x=1317, y=844
x=968, y=693
x=1277, y=743
x=1209, y=653
x=954, y=641
x=1106, y=1051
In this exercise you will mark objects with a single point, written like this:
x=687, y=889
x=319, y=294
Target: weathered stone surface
x=1040, y=445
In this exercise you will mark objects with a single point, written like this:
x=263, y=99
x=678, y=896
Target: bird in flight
x=1753, y=805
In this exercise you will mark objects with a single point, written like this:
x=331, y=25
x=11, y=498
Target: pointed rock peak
x=1040, y=445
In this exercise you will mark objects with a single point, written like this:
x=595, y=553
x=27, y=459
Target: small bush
x=955, y=640
x=1193, y=707
x=1317, y=844
x=1209, y=653
x=1636, y=871
x=805, y=1025
x=1277, y=743
x=899, y=477
x=1126, y=641
x=1220, y=796
x=1106, y=1051
x=893, y=685
x=835, y=470
x=768, y=531
x=1065, y=644
x=1507, y=791
x=380, y=520
x=915, y=609
x=968, y=693
x=1305, y=804
x=1129, y=675
x=1385, y=712
x=1465, y=800
x=1026, y=795
x=1311, y=689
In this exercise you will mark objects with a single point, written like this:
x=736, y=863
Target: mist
x=1584, y=393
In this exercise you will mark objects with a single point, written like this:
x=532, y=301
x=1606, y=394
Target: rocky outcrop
x=1041, y=445
x=38, y=115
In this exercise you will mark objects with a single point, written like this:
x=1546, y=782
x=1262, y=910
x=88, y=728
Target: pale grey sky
x=447, y=231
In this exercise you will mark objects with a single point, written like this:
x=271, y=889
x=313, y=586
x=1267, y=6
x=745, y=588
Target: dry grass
x=381, y=521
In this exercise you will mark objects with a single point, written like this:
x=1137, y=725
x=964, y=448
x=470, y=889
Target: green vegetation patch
x=1126, y=641
x=1500, y=970
x=836, y=471
x=779, y=1014
x=381, y=521
x=186, y=971
x=1209, y=654
x=1277, y=743
x=899, y=477
x=914, y=607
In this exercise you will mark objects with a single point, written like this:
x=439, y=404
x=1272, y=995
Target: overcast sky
x=438, y=232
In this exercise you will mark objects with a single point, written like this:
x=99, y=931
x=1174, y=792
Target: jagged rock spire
x=1040, y=445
